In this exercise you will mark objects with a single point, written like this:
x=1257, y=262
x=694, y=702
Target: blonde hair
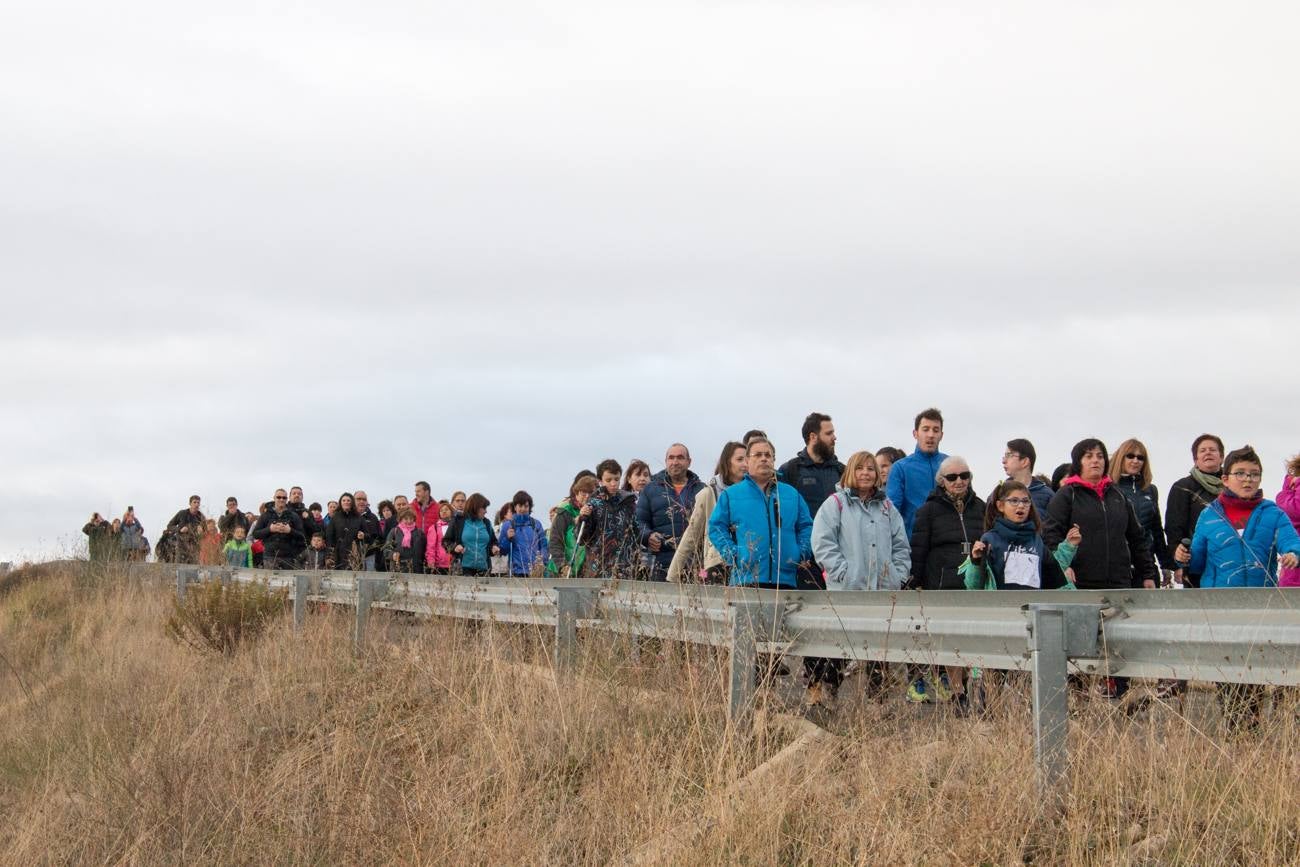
x=856, y=460
x=1117, y=461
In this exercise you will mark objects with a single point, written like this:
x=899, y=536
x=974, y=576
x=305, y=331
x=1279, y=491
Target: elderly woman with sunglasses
x=948, y=523
x=1130, y=470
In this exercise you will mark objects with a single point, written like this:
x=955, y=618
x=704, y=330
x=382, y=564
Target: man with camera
x=280, y=532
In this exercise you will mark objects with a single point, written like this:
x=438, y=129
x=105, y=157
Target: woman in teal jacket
x=762, y=527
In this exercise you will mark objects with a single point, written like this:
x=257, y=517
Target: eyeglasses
x=1132, y=457
x=281, y=497
x=1006, y=456
x=952, y=477
x=1016, y=501
x=1243, y=476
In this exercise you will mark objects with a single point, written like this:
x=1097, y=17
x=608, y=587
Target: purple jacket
x=1289, y=499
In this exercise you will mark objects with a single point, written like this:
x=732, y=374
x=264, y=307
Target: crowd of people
x=882, y=520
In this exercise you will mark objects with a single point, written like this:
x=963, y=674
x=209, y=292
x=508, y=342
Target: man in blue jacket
x=762, y=527
x=912, y=479
x=664, y=508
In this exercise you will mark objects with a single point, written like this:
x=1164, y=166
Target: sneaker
x=942, y=691
x=916, y=692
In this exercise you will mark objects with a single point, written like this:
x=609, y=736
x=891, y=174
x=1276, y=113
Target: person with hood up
x=911, y=480
x=437, y=560
x=943, y=535
x=522, y=538
x=1240, y=540
x=859, y=539
x=664, y=508
x=761, y=526
x=696, y=557
x=1113, y=552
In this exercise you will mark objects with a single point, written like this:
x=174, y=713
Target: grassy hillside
x=447, y=743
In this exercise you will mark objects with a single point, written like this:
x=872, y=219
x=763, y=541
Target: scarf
x=1213, y=485
x=407, y=530
x=1099, y=488
x=1238, y=510
x=1022, y=532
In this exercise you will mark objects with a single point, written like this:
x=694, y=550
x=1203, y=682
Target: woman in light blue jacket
x=858, y=536
x=859, y=540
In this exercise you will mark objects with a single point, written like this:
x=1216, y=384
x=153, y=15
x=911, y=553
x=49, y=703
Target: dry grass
x=444, y=744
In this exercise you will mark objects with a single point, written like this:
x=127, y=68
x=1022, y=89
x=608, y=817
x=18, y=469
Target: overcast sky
x=347, y=244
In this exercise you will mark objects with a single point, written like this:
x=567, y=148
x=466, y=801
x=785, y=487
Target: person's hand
x=977, y=550
x=495, y=551
x=1289, y=561
x=656, y=541
x=459, y=549
x=1075, y=536
x=185, y=529
x=361, y=534
x=585, y=511
x=510, y=532
x=1069, y=575
x=1182, y=555
x=1148, y=584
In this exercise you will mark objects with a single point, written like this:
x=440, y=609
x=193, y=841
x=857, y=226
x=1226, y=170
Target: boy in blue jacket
x=912, y=479
x=762, y=527
x=1240, y=540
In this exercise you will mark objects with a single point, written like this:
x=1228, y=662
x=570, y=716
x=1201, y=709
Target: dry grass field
x=450, y=743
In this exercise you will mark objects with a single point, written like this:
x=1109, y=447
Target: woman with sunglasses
x=947, y=525
x=1130, y=469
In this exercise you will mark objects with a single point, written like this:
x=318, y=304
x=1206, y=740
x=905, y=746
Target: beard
x=821, y=452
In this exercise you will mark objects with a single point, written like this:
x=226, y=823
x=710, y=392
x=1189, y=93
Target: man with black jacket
x=814, y=472
x=230, y=519
x=280, y=532
x=374, y=541
x=185, y=529
x=299, y=508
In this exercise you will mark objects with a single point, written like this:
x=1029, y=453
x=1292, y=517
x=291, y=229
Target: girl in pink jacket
x=1289, y=499
x=437, y=560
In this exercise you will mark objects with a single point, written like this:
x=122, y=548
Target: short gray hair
x=948, y=464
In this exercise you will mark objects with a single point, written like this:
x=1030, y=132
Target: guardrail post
x=185, y=575
x=1057, y=633
x=744, y=662
x=301, y=586
x=571, y=603
x=368, y=590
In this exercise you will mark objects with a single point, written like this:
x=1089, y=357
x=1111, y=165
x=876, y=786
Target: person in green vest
x=567, y=556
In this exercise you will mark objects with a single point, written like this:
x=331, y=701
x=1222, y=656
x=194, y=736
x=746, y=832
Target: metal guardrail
x=1240, y=636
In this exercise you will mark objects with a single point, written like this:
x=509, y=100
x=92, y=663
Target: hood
x=852, y=496
x=1099, y=489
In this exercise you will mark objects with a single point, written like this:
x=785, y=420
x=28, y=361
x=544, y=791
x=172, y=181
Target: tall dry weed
x=448, y=742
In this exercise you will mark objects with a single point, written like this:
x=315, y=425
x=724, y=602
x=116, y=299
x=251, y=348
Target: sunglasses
x=952, y=477
x=1133, y=457
x=281, y=497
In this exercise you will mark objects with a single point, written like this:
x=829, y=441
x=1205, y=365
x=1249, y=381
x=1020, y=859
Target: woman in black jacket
x=948, y=523
x=1113, y=554
x=1130, y=469
x=346, y=537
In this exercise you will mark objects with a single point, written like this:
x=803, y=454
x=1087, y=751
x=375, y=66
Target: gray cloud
x=491, y=243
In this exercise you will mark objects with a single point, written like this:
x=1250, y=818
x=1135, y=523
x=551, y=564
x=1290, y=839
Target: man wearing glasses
x=1018, y=463
x=280, y=532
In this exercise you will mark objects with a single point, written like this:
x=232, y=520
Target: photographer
x=100, y=533
x=280, y=532
x=610, y=534
x=185, y=530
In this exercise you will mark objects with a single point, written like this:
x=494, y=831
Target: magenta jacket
x=435, y=556
x=1289, y=499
